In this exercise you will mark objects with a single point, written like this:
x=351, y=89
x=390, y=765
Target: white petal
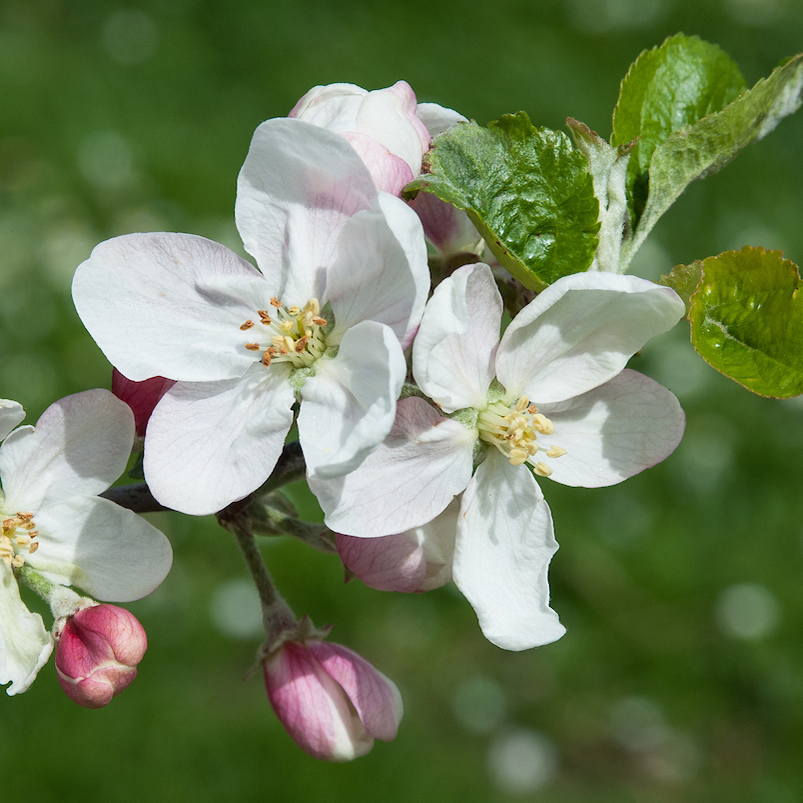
x=614, y=431
x=407, y=481
x=168, y=305
x=438, y=118
x=380, y=272
x=297, y=188
x=453, y=353
x=25, y=645
x=11, y=413
x=437, y=539
x=79, y=446
x=110, y=552
x=580, y=332
x=348, y=407
x=504, y=545
x=331, y=102
x=211, y=443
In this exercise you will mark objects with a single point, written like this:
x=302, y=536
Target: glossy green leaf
x=708, y=145
x=527, y=190
x=747, y=320
x=667, y=88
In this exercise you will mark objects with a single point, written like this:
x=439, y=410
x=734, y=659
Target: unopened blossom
x=54, y=523
x=552, y=399
x=331, y=701
x=141, y=397
x=340, y=293
x=381, y=125
x=417, y=560
x=97, y=654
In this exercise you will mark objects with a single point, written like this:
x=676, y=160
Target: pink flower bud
x=331, y=701
x=418, y=560
x=141, y=397
x=98, y=653
x=382, y=126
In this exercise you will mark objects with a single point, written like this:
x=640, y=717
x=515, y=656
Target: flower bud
x=382, y=126
x=417, y=560
x=331, y=701
x=141, y=397
x=98, y=653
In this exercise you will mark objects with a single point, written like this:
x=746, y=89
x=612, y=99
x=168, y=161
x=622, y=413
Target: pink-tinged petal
x=211, y=443
x=312, y=707
x=387, y=563
x=389, y=115
x=580, y=332
x=349, y=405
x=453, y=353
x=446, y=227
x=110, y=552
x=504, y=544
x=437, y=539
x=168, y=305
x=389, y=172
x=25, y=645
x=380, y=272
x=423, y=463
x=333, y=106
x=438, y=119
x=375, y=697
x=141, y=397
x=614, y=431
x=11, y=414
x=98, y=653
x=298, y=186
x=79, y=446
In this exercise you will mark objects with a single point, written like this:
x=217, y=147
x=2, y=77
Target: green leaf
x=708, y=145
x=667, y=88
x=747, y=320
x=527, y=190
x=684, y=280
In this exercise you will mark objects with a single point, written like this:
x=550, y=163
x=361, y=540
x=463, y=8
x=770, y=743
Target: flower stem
x=276, y=613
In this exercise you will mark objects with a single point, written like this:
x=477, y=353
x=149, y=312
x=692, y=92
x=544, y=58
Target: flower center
x=18, y=539
x=287, y=334
x=514, y=431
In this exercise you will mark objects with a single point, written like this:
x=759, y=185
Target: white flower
x=342, y=288
x=54, y=522
x=552, y=395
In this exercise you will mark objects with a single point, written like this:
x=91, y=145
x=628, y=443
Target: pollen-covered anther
x=275, y=302
x=264, y=317
x=319, y=321
x=252, y=346
x=247, y=325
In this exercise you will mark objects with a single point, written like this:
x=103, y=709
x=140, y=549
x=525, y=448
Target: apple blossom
x=97, y=654
x=552, y=398
x=331, y=701
x=54, y=524
x=342, y=288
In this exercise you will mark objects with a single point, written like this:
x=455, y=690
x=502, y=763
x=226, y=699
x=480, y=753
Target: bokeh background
x=681, y=675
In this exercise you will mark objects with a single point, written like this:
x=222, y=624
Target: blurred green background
x=681, y=675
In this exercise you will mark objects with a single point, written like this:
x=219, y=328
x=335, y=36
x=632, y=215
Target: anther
x=555, y=451
x=252, y=346
x=247, y=325
x=522, y=404
x=263, y=317
x=286, y=326
x=294, y=310
x=542, y=469
x=275, y=302
x=266, y=358
x=319, y=321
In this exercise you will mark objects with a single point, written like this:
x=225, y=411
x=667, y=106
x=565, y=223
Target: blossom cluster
x=423, y=429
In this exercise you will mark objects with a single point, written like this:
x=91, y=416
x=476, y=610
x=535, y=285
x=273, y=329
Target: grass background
x=680, y=676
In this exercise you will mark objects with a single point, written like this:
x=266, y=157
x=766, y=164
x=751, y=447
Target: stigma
x=515, y=432
x=287, y=334
x=18, y=539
